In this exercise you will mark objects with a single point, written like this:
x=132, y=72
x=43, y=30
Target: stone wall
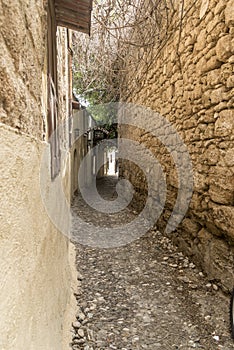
x=36, y=294
x=191, y=84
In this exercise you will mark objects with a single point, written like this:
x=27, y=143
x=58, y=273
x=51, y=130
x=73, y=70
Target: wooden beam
x=73, y=5
x=74, y=21
x=73, y=27
x=72, y=15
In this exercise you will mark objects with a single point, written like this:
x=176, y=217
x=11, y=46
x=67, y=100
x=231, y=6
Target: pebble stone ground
x=146, y=295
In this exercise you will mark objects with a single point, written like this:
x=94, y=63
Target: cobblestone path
x=146, y=295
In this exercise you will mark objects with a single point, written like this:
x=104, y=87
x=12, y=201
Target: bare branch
x=126, y=34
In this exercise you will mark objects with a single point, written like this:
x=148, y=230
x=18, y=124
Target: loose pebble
x=145, y=295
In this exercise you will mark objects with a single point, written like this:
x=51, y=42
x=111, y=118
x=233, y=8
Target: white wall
x=35, y=277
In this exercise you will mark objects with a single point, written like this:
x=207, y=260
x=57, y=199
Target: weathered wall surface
x=35, y=272
x=191, y=83
x=81, y=144
x=23, y=54
x=35, y=295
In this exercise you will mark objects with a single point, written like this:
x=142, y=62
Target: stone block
x=220, y=107
x=213, y=23
x=204, y=66
x=213, y=229
x=200, y=182
x=218, y=31
x=212, y=154
x=220, y=171
x=201, y=66
x=206, y=101
x=231, y=59
x=225, y=48
x=230, y=82
x=219, y=263
x=229, y=157
x=224, y=125
x=191, y=39
x=210, y=52
x=229, y=13
x=207, y=118
x=221, y=196
x=190, y=123
x=223, y=218
x=222, y=182
x=225, y=72
x=208, y=132
x=197, y=92
x=219, y=7
x=201, y=40
x=213, y=63
x=203, y=9
x=196, y=202
x=204, y=236
x=213, y=77
x=221, y=189
x=217, y=95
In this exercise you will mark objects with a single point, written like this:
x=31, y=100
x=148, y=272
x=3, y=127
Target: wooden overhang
x=74, y=14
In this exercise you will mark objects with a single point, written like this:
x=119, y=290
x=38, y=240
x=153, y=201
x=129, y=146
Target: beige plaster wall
x=190, y=82
x=34, y=266
x=36, y=301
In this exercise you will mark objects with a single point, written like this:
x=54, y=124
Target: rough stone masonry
x=191, y=83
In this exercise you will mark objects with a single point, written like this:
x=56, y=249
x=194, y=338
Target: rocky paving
x=145, y=295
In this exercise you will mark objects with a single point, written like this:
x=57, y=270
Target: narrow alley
x=117, y=174
x=145, y=295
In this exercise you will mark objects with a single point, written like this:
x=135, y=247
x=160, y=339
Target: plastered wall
x=191, y=83
x=34, y=265
x=36, y=301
